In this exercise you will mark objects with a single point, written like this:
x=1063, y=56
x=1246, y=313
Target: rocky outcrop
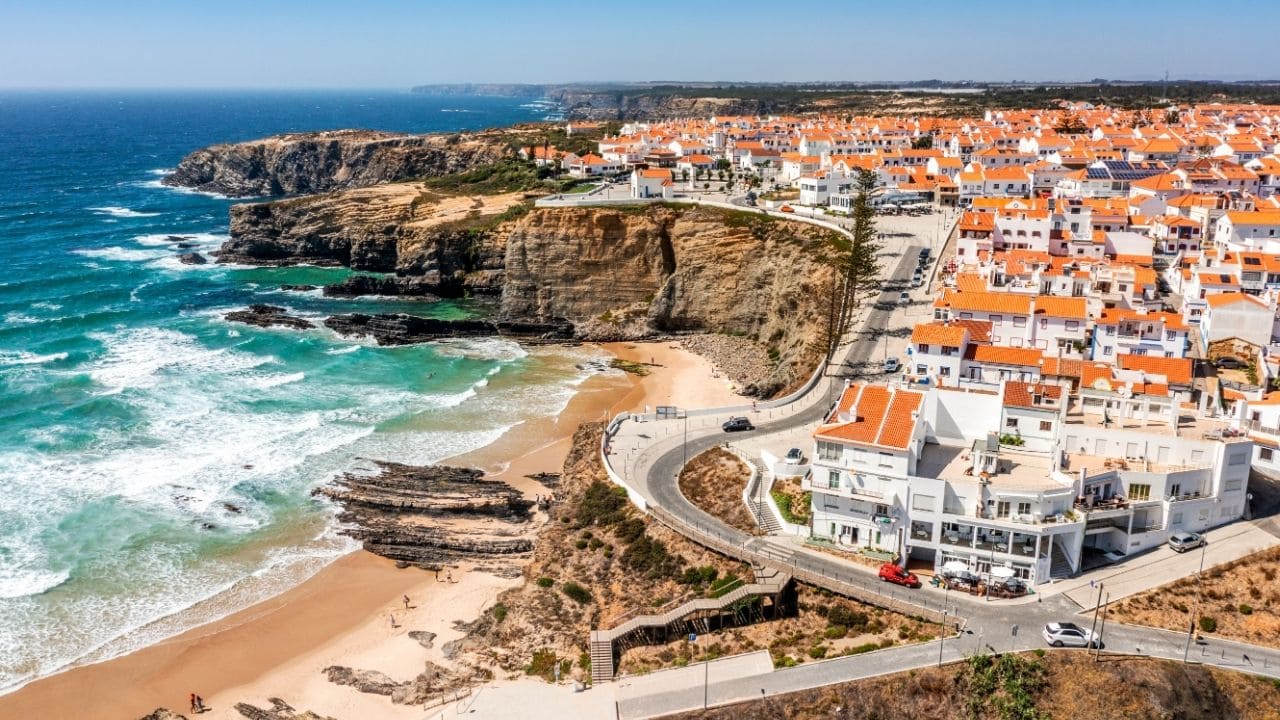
x=316, y=162
x=630, y=273
x=610, y=273
x=433, y=244
x=625, y=101
x=430, y=684
x=424, y=516
x=401, y=329
x=164, y=714
x=268, y=316
x=384, y=285
x=192, y=258
x=279, y=710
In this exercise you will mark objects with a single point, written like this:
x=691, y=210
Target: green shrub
x=542, y=664
x=576, y=592
x=629, y=530
x=854, y=620
x=1246, y=609
x=835, y=632
x=601, y=504
x=863, y=648
x=650, y=557
x=817, y=652
x=784, y=661
x=581, y=544
x=584, y=661
x=499, y=612
x=1208, y=623
x=699, y=575
x=545, y=582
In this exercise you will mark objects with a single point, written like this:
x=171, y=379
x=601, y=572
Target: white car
x=891, y=365
x=1068, y=635
x=904, y=298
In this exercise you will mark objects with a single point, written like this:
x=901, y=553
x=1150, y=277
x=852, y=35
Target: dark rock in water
x=232, y=508
x=546, y=478
x=268, y=316
x=404, y=513
x=299, y=288
x=184, y=245
x=178, y=238
x=400, y=329
x=193, y=259
x=393, y=286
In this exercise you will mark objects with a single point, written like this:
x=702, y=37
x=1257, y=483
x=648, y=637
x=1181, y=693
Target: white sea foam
x=46, y=306
x=136, y=358
x=121, y=212
x=157, y=184
x=120, y=254
x=26, y=358
x=342, y=350
x=17, y=580
x=16, y=318
x=482, y=349
x=270, y=381
x=200, y=240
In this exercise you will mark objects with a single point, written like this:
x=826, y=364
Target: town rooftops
x=1232, y=298
x=1176, y=371
x=874, y=415
x=1036, y=396
x=937, y=333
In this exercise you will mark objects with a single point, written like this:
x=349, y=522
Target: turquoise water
x=154, y=457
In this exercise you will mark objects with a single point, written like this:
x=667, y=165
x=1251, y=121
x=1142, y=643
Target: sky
x=390, y=44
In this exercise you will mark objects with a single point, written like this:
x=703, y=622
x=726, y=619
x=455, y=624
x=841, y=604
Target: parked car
x=891, y=365
x=924, y=252
x=904, y=298
x=734, y=424
x=1182, y=542
x=787, y=209
x=794, y=456
x=892, y=572
x=1069, y=635
x=1229, y=363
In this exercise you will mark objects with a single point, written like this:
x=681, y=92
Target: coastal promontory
x=316, y=162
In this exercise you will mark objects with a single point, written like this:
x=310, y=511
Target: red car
x=891, y=572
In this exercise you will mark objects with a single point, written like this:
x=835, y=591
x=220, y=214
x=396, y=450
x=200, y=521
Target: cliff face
x=429, y=241
x=319, y=162
x=593, y=105
x=614, y=273
x=628, y=273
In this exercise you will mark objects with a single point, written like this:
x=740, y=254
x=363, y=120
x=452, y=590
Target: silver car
x=1182, y=542
x=1068, y=635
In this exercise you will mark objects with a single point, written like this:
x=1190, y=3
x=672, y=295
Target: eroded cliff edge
x=316, y=162
x=615, y=273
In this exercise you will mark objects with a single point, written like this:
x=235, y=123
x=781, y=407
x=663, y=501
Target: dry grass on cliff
x=1058, y=685
x=714, y=481
x=1238, y=600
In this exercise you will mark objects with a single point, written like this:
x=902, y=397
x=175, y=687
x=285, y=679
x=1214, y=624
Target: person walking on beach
x=406, y=603
x=194, y=707
x=448, y=576
x=200, y=708
x=391, y=619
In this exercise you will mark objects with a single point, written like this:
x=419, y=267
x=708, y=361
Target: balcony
x=1185, y=496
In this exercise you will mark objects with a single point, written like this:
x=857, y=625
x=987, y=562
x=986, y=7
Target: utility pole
x=1097, y=606
x=1098, y=653
x=1191, y=631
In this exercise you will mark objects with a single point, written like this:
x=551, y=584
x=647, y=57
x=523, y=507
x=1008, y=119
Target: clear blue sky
x=383, y=43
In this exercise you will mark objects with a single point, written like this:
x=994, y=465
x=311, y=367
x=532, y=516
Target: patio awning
x=955, y=566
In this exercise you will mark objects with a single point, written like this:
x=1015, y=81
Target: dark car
x=924, y=253
x=892, y=572
x=735, y=424
x=1229, y=363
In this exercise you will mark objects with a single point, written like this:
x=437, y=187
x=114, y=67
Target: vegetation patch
x=714, y=481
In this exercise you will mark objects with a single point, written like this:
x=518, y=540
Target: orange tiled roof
x=879, y=416
x=1072, y=308
x=1028, y=357
x=1023, y=395
x=1177, y=370
x=938, y=333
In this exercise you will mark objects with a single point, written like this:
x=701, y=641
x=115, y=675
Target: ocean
x=156, y=461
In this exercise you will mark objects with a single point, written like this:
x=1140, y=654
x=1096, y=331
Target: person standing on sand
x=449, y=576
x=391, y=619
x=200, y=708
x=194, y=707
x=406, y=603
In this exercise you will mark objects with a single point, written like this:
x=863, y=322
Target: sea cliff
x=316, y=162
x=617, y=273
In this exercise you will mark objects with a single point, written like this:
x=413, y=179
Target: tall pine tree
x=859, y=268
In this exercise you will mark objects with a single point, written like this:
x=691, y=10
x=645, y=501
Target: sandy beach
x=342, y=615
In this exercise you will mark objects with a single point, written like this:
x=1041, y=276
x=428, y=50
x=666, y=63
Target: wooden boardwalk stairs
x=604, y=643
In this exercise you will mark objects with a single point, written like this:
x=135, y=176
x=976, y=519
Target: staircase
x=764, y=517
x=767, y=582
x=1059, y=564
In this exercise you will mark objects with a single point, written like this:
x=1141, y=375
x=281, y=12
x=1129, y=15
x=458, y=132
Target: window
x=944, y=371
x=922, y=348
x=1024, y=508
x=1046, y=426
x=829, y=451
x=1002, y=509
x=1176, y=519
x=886, y=459
x=1175, y=490
x=882, y=510
x=833, y=480
x=1140, y=491
x=1106, y=350
x=1073, y=324
x=1231, y=485
x=923, y=502
x=996, y=319
x=1264, y=454
x=922, y=369
x=1011, y=423
x=1019, y=322
x=1238, y=458
x=1044, y=323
